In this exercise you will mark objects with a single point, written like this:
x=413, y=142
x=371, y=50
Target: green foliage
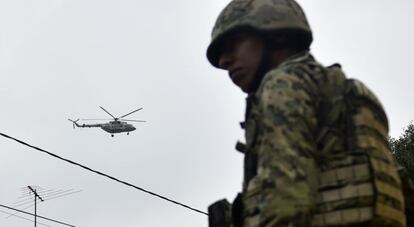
x=403, y=149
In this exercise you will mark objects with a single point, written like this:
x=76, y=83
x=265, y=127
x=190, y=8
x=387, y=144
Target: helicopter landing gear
x=112, y=135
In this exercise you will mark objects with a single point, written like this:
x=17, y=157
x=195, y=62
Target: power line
x=24, y=212
x=17, y=216
x=11, y=215
x=105, y=175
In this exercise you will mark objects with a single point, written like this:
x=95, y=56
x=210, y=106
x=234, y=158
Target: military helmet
x=261, y=16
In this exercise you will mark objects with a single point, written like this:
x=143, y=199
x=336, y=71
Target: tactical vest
x=358, y=183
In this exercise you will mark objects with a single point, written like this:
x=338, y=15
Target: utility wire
x=11, y=215
x=17, y=216
x=103, y=174
x=24, y=212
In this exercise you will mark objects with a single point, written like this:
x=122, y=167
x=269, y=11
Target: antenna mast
x=35, y=202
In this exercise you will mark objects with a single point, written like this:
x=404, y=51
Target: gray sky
x=62, y=59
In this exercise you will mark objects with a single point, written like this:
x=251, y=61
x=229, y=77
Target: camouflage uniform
x=316, y=150
x=296, y=124
x=280, y=181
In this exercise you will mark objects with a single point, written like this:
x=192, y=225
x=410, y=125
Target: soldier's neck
x=279, y=56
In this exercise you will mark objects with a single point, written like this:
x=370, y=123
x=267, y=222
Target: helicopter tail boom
x=75, y=123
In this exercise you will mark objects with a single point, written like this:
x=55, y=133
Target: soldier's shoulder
x=288, y=75
x=299, y=65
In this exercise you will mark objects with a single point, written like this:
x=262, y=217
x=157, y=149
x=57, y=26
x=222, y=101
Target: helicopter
x=114, y=126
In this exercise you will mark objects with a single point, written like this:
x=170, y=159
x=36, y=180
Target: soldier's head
x=251, y=37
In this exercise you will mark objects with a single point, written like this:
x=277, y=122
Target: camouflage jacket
x=286, y=135
x=280, y=171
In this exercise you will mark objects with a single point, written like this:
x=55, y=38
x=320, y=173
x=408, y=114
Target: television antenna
x=39, y=194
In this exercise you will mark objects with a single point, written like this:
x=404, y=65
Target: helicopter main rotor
x=108, y=113
x=118, y=118
x=130, y=113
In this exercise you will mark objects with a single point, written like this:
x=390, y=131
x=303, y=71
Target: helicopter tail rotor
x=74, y=123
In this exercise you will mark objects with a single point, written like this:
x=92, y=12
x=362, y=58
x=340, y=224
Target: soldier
x=316, y=151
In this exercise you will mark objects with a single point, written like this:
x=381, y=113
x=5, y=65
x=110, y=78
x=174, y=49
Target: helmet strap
x=270, y=45
x=264, y=67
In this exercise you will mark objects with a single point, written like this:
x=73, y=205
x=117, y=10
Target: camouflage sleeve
x=286, y=169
